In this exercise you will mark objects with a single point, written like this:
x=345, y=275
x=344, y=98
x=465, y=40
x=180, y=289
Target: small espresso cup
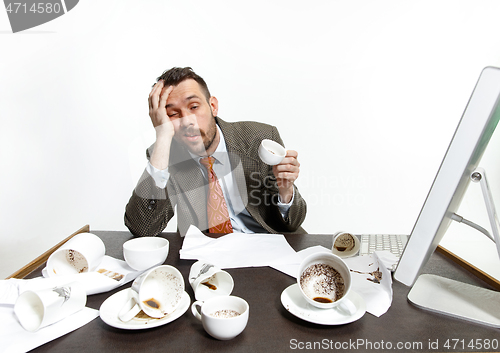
x=209, y=281
x=157, y=292
x=345, y=244
x=324, y=280
x=145, y=252
x=40, y=308
x=271, y=152
x=82, y=253
x=222, y=317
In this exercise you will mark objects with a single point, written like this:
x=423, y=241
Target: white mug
x=145, y=252
x=324, y=280
x=222, y=317
x=157, y=292
x=209, y=281
x=82, y=253
x=37, y=309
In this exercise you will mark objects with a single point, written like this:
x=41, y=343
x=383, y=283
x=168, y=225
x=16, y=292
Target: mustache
x=190, y=130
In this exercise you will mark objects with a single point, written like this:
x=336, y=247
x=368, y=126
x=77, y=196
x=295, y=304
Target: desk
x=270, y=327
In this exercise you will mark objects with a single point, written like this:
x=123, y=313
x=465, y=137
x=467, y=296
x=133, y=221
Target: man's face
x=193, y=117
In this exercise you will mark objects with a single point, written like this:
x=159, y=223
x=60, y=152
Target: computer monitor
x=471, y=137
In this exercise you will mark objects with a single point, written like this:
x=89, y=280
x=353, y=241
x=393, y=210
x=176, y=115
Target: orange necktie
x=218, y=216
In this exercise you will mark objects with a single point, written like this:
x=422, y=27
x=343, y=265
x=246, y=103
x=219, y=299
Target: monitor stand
x=457, y=299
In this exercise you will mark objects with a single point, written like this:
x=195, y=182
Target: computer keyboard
x=395, y=243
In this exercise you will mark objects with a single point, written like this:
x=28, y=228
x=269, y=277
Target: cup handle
x=130, y=309
x=347, y=307
x=194, y=309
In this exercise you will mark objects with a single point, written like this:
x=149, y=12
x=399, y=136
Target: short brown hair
x=176, y=75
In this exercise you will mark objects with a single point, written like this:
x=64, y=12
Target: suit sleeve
x=149, y=208
x=298, y=209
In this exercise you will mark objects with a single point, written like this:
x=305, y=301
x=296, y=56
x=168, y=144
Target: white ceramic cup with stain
x=157, y=292
x=82, y=253
x=222, y=317
x=325, y=281
x=345, y=244
x=209, y=281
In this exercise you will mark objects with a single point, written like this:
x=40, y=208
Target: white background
x=368, y=92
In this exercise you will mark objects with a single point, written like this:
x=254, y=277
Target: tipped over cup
x=40, y=308
x=82, y=253
x=345, y=244
x=157, y=292
x=271, y=152
x=209, y=281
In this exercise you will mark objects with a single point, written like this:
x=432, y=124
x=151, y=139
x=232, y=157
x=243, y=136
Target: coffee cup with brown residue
x=324, y=280
x=345, y=244
x=157, y=292
x=209, y=281
x=222, y=317
x=81, y=254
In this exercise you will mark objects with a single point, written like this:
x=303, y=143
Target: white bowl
x=143, y=253
x=271, y=152
x=318, y=286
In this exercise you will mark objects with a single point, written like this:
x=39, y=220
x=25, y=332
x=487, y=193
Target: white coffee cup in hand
x=157, y=292
x=271, y=152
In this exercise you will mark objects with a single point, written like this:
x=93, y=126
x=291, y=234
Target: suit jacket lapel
x=243, y=164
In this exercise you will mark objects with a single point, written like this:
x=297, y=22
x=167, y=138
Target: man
x=198, y=156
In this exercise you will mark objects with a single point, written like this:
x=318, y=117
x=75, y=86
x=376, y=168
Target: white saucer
x=110, y=308
x=294, y=302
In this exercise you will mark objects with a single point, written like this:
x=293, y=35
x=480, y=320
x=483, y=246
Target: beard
x=208, y=138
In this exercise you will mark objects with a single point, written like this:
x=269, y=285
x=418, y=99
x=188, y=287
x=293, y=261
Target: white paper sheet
x=15, y=339
x=238, y=250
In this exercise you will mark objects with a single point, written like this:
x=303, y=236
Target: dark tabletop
x=273, y=329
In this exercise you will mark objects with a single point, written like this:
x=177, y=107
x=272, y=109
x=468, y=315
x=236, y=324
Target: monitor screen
x=471, y=137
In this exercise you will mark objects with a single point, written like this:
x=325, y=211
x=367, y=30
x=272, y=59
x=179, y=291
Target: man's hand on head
x=164, y=128
x=158, y=112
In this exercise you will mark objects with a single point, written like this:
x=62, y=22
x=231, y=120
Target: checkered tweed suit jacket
x=150, y=208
